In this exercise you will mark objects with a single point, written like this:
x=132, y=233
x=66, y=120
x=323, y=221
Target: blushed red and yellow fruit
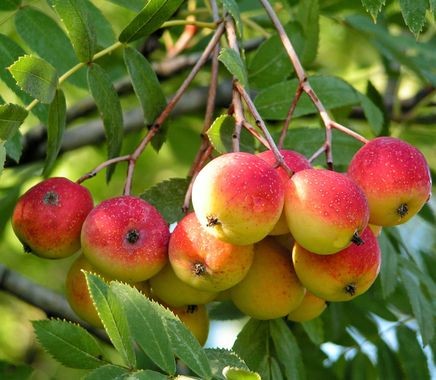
x=310, y=308
x=166, y=286
x=196, y=319
x=395, y=178
x=342, y=276
x=238, y=197
x=48, y=218
x=271, y=288
x=77, y=293
x=295, y=162
x=326, y=211
x=126, y=238
x=203, y=261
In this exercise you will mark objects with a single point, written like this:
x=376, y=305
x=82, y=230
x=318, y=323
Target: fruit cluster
x=276, y=245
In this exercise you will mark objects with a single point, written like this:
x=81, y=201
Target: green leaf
x=273, y=102
x=361, y=368
x=68, y=343
x=14, y=146
x=113, y=318
x=308, y=140
x=269, y=368
x=146, y=326
x=55, y=130
x=314, y=330
x=428, y=214
x=270, y=64
x=11, y=117
x=232, y=373
x=387, y=362
x=10, y=371
x=10, y=5
x=287, y=350
x=411, y=357
x=224, y=311
x=432, y=6
x=154, y=14
x=35, y=76
x=168, y=197
x=106, y=372
x=308, y=16
x=252, y=343
x=102, y=27
x=373, y=7
x=80, y=27
x=145, y=84
x=220, y=135
x=234, y=64
x=2, y=156
x=372, y=114
x=108, y=104
x=219, y=358
x=377, y=99
x=233, y=8
x=145, y=375
x=134, y=5
x=183, y=343
x=9, y=53
x=414, y=14
x=422, y=308
x=389, y=266
x=44, y=36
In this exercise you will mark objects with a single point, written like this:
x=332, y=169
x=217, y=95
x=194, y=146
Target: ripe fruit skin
x=196, y=319
x=342, y=276
x=205, y=262
x=126, y=238
x=238, y=197
x=310, y=308
x=395, y=178
x=48, y=218
x=295, y=162
x=271, y=288
x=325, y=210
x=77, y=293
x=166, y=286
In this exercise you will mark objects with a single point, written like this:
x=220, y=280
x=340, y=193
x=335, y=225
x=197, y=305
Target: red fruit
x=48, y=218
x=295, y=162
x=342, y=276
x=325, y=210
x=395, y=178
x=238, y=197
x=126, y=238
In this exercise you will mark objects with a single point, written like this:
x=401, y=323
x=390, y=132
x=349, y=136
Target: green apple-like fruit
x=310, y=308
x=326, y=211
x=295, y=162
x=238, y=197
x=126, y=238
x=166, y=286
x=204, y=262
x=271, y=288
x=342, y=276
x=395, y=178
x=48, y=218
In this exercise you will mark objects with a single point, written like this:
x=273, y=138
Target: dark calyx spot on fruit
x=132, y=236
x=51, y=198
x=402, y=210
x=212, y=221
x=26, y=248
x=356, y=239
x=198, y=269
x=191, y=309
x=350, y=289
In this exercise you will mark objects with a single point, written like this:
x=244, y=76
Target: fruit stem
x=261, y=124
x=289, y=116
